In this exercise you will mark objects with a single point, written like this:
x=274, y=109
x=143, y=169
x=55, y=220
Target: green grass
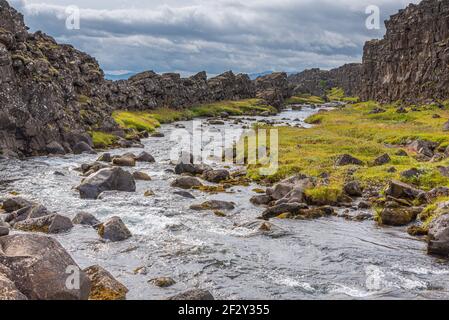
x=150, y=120
x=137, y=120
x=352, y=130
x=338, y=94
x=304, y=99
x=233, y=108
x=103, y=140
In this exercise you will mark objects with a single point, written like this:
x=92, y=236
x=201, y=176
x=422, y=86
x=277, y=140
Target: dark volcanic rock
x=114, y=230
x=85, y=218
x=439, y=236
x=51, y=224
x=346, y=159
x=51, y=94
x=273, y=88
x=410, y=62
x=39, y=268
x=186, y=183
x=317, y=82
x=384, y=159
x=105, y=180
x=400, y=190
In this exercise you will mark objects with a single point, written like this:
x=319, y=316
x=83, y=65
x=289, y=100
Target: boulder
x=124, y=161
x=400, y=190
x=31, y=212
x=191, y=168
x=186, y=183
x=41, y=268
x=105, y=157
x=145, y=157
x=193, y=295
x=104, y=285
x=401, y=153
x=86, y=219
x=216, y=176
x=261, y=200
x=280, y=190
x=114, y=230
x=55, y=148
x=4, y=230
x=82, y=147
x=51, y=224
x=16, y=203
x=163, y=282
x=382, y=160
x=138, y=175
x=423, y=147
x=399, y=216
x=214, y=205
x=353, y=189
x=157, y=135
x=184, y=194
x=411, y=173
x=292, y=208
x=346, y=159
x=9, y=291
x=106, y=180
x=438, y=236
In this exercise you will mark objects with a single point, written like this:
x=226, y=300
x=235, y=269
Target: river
x=329, y=258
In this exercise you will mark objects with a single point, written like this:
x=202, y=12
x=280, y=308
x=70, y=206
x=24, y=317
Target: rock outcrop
x=273, y=88
x=149, y=90
x=51, y=95
x=411, y=62
x=317, y=82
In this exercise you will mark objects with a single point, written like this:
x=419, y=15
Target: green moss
x=338, y=94
x=352, y=130
x=103, y=140
x=233, y=108
x=324, y=194
x=140, y=121
x=84, y=99
x=304, y=99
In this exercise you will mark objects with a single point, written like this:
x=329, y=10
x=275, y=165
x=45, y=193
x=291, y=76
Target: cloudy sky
x=187, y=36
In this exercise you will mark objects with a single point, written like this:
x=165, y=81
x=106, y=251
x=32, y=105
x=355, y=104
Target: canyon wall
x=317, y=81
x=411, y=63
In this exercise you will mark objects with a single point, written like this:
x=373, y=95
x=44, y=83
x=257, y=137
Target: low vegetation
x=355, y=130
x=103, y=140
x=150, y=120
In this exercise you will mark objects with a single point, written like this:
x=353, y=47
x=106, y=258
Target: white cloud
x=195, y=35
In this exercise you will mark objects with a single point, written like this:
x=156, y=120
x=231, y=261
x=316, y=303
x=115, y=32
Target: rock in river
x=86, y=219
x=124, y=161
x=139, y=175
x=53, y=223
x=216, y=176
x=186, y=183
x=16, y=203
x=83, y=147
x=39, y=268
x=114, y=230
x=399, y=216
x=145, y=157
x=439, y=236
x=106, y=180
x=104, y=285
x=214, y=205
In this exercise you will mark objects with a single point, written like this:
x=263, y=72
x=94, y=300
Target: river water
x=329, y=258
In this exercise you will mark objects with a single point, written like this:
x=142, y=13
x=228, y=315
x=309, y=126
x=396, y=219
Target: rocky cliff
x=317, y=81
x=411, y=63
x=149, y=90
x=51, y=94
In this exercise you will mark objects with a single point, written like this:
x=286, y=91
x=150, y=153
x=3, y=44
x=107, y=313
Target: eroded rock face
x=410, y=63
x=149, y=90
x=51, y=94
x=39, y=268
x=316, y=82
x=273, y=88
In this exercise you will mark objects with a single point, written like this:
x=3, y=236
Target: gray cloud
x=193, y=35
